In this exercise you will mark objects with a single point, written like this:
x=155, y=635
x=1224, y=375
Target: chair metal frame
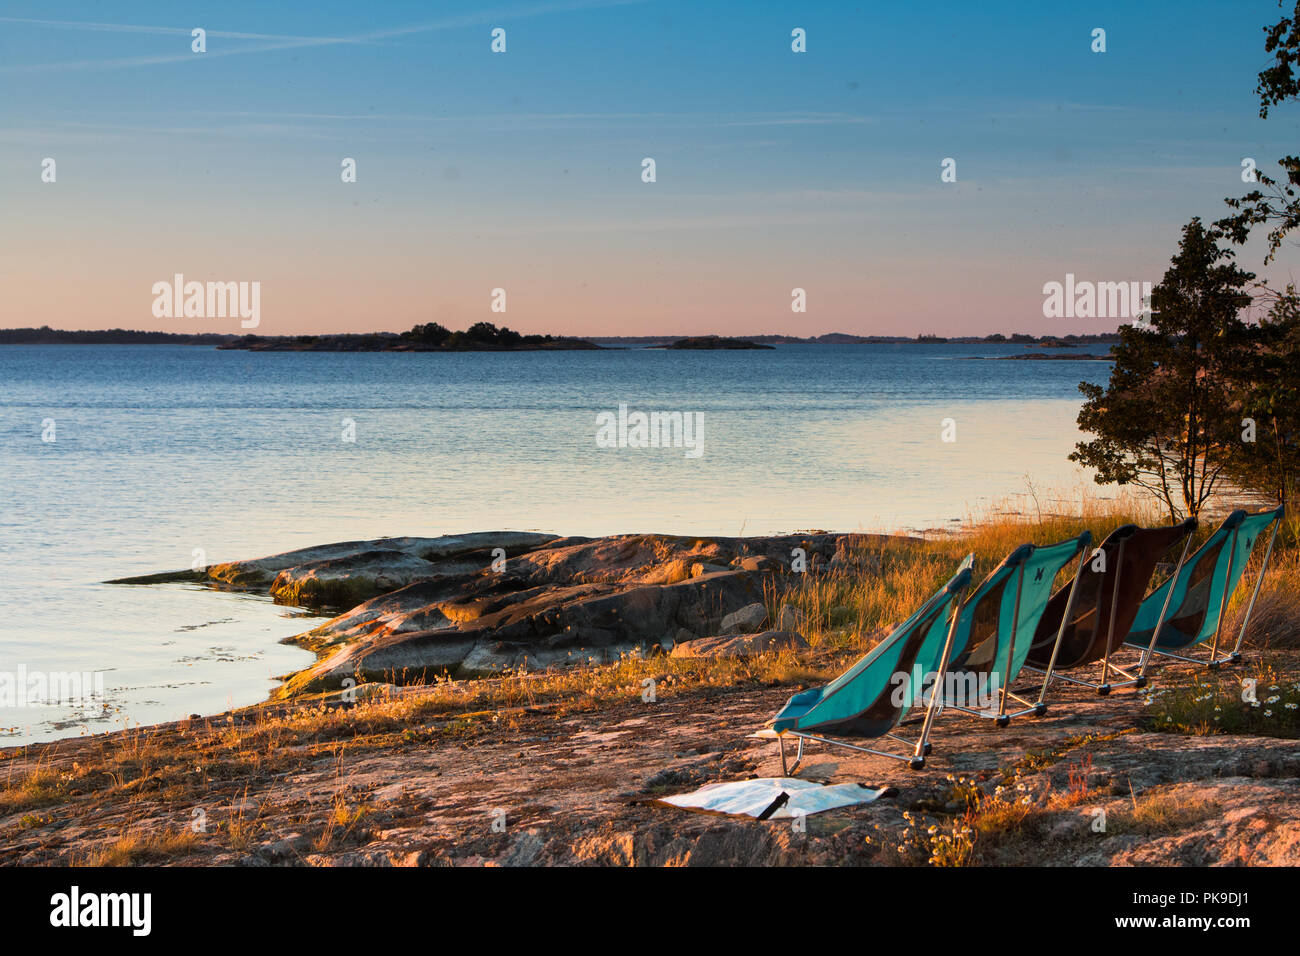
x=920, y=748
x=936, y=703
x=1039, y=707
x=1138, y=680
x=1214, y=661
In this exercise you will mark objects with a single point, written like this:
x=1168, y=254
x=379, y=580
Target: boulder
x=417, y=608
x=262, y=572
x=544, y=627
x=739, y=645
x=748, y=619
x=346, y=582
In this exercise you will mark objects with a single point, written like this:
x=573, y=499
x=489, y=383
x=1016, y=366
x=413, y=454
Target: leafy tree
x=1268, y=456
x=1277, y=202
x=1166, y=421
x=428, y=334
x=484, y=332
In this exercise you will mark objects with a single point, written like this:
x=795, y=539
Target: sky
x=523, y=170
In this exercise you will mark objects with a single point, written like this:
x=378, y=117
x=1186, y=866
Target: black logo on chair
x=1039, y=575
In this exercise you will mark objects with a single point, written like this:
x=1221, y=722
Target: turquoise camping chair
x=1188, y=609
x=873, y=697
x=996, y=628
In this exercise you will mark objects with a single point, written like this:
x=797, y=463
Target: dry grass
x=341, y=824
x=181, y=769
x=40, y=787
x=1275, y=621
x=1010, y=823
x=135, y=848
x=847, y=610
x=1161, y=813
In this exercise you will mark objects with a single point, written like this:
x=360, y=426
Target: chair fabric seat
x=1116, y=584
x=1201, y=592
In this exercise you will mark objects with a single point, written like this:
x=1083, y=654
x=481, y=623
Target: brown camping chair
x=1112, y=584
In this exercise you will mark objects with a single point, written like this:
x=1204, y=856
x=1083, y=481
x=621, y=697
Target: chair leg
x=1223, y=601
x=1041, y=707
x=1259, y=583
x=1150, y=651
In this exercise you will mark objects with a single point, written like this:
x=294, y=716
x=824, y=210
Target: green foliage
x=429, y=334
x=1279, y=82
x=1277, y=201
x=1218, y=704
x=478, y=335
x=1166, y=420
x=1269, y=395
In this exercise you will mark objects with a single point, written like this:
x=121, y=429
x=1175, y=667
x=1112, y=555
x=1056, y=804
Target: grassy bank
x=847, y=608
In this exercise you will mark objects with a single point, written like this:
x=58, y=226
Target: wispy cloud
x=297, y=43
x=394, y=126
x=166, y=31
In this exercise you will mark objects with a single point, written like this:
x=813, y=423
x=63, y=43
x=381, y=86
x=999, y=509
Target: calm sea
x=163, y=454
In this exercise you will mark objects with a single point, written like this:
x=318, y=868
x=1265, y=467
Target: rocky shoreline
x=465, y=742
x=474, y=605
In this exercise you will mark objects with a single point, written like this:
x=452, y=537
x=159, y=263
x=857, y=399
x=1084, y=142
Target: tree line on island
x=427, y=337
x=486, y=336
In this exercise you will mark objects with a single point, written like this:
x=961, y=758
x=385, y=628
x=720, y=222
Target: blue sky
x=522, y=170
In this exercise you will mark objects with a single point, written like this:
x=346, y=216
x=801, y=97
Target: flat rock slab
x=346, y=582
x=579, y=788
x=548, y=627
x=486, y=603
x=260, y=573
x=739, y=645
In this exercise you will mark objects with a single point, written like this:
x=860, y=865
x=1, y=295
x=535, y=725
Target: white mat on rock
x=771, y=798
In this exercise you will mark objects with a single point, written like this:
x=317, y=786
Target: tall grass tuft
x=852, y=605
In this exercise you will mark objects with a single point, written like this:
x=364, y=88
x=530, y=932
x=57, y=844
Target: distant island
x=714, y=342
x=486, y=337
x=431, y=337
x=845, y=338
x=48, y=336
